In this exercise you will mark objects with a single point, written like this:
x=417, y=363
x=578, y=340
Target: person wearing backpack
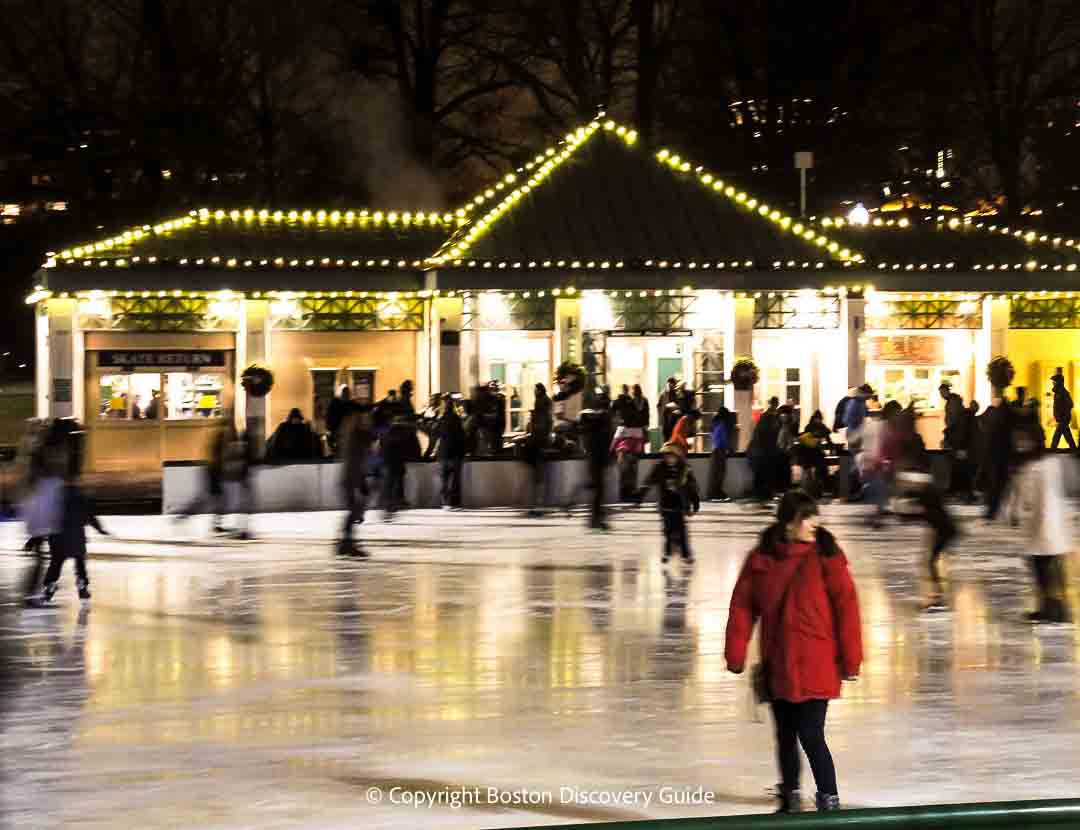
x=797, y=583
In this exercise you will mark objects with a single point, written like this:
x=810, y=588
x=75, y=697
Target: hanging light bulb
x=859, y=215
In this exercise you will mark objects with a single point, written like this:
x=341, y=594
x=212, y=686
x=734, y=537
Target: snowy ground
x=271, y=685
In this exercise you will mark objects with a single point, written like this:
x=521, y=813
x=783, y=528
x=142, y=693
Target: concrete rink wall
x=484, y=483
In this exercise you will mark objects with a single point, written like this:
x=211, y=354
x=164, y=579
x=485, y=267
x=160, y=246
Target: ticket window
x=173, y=396
x=914, y=385
x=128, y=397
x=193, y=395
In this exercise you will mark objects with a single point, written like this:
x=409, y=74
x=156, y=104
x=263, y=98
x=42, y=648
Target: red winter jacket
x=811, y=639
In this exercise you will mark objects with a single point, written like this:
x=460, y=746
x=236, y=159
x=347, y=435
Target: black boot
x=790, y=800
x=42, y=598
x=826, y=802
x=84, y=588
x=347, y=547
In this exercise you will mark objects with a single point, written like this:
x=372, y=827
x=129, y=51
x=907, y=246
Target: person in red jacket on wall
x=797, y=583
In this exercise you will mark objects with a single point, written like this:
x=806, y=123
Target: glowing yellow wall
x=1036, y=353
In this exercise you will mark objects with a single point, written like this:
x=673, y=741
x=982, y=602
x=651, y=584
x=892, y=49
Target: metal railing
x=1029, y=815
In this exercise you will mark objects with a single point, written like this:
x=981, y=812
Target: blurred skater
x=596, y=429
x=69, y=542
x=1037, y=502
x=354, y=447
x=535, y=447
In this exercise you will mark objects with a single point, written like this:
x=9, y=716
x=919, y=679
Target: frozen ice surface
x=271, y=684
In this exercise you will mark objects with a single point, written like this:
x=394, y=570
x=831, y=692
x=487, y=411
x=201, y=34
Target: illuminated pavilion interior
x=636, y=263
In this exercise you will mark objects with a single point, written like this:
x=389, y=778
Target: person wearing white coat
x=1037, y=500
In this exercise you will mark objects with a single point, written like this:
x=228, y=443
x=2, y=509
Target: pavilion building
x=636, y=263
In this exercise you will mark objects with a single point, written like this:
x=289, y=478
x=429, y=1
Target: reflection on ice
x=265, y=684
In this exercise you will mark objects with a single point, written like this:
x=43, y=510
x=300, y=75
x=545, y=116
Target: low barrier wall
x=485, y=482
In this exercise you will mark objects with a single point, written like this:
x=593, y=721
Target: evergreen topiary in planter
x=744, y=374
x=257, y=380
x=1000, y=372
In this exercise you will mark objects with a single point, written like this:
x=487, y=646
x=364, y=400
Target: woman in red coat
x=797, y=583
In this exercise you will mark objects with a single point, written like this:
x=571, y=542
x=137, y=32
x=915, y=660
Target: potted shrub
x=1000, y=373
x=744, y=374
x=257, y=380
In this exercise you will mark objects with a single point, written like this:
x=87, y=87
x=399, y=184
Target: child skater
x=678, y=496
x=69, y=542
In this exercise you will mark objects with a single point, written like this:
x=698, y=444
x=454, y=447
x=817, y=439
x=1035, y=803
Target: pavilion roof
x=964, y=245
x=599, y=197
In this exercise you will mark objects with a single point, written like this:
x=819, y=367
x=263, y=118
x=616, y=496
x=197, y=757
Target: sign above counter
x=193, y=359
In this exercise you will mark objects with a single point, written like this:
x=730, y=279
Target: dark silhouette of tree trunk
x=433, y=51
x=1022, y=57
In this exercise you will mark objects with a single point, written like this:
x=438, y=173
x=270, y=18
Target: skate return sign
x=137, y=359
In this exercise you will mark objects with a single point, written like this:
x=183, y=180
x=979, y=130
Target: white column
x=433, y=346
x=470, y=349
x=42, y=372
x=738, y=343
x=240, y=359
x=991, y=341
x=61, y=358
x=853, y=321
x=424, y=363
x=257, y=347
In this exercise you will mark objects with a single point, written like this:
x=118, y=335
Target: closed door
x=667, y=367
x=363, y=385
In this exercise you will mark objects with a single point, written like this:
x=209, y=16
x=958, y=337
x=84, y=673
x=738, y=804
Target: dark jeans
x=717, y=473
x=34, y=572
x=451, y=467
x=56, y=561
x=393, y=486
x=803, y=723
x=1063, y=431
x=962, y=478
x=815, y=470
x=598, y=514
x=355, y=502
x=213, y=498
x=675, y=532
x=997, y=479
x=1050, y=584
x=628, y=474
x=935, y=515
x=538, y=477
x=764, y=467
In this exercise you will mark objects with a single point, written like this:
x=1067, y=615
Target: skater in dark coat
x=764, y=452
x=678, y=497
x=1063, y=412
x=354, y=447
x=535, y=448
x=797, y=584
x=449, y=436
x=597, y=428
x=69, y=542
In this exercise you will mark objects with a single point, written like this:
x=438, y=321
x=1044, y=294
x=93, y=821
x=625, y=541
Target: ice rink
x=273, y=685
